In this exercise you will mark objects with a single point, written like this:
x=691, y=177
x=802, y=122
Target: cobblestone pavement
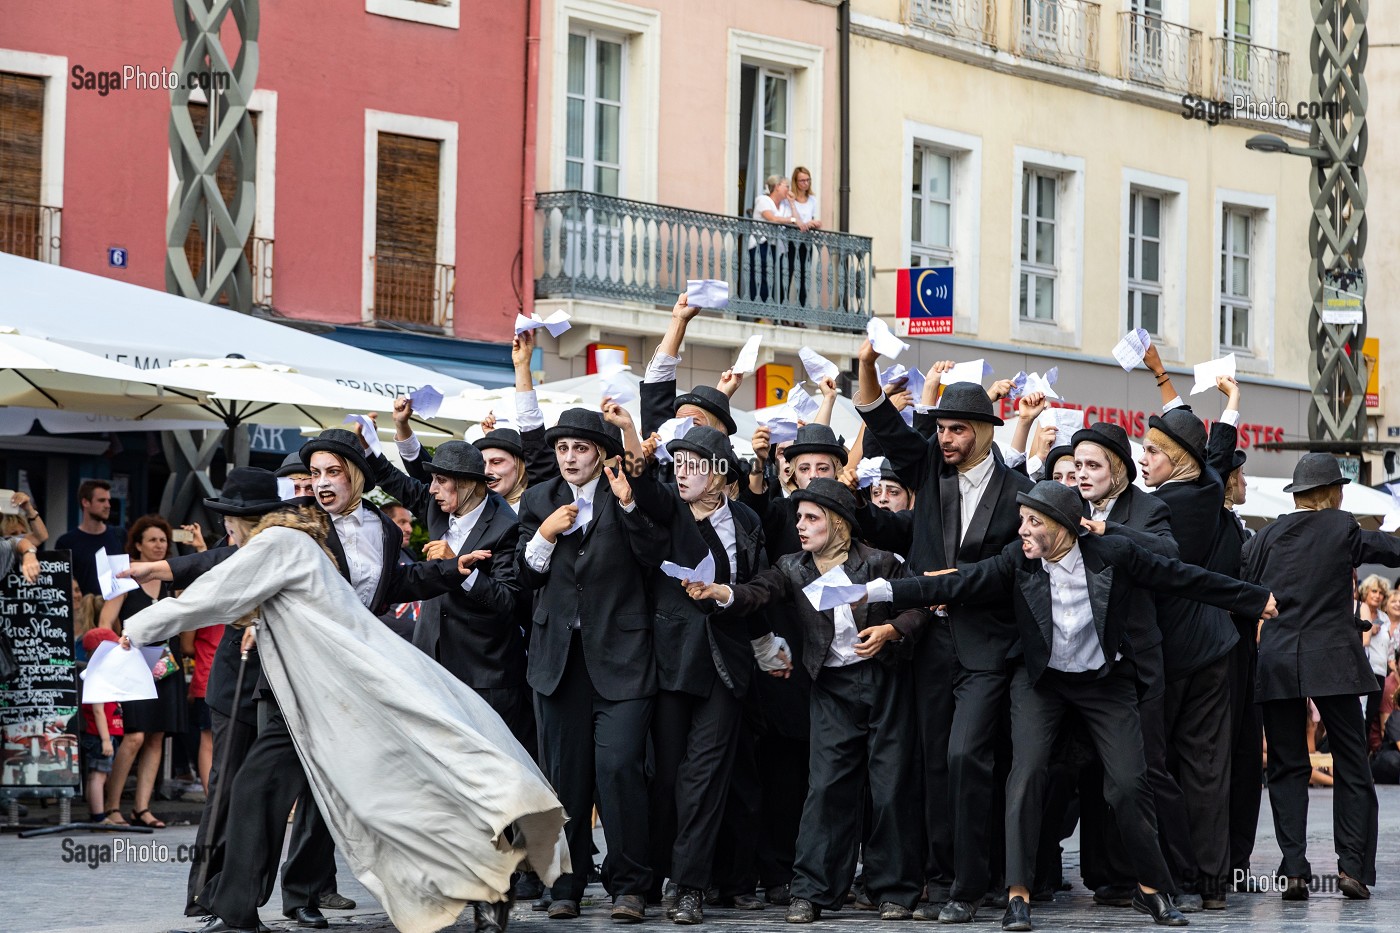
x=50, y=885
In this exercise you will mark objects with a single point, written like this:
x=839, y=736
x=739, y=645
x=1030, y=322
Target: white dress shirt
x=971, y=485
x=362, y=539
x=1074, y=646
x=722, y=521
x=662, y=368
x=528, y=415
x=1101, y=514
x=459, y=528
x=539, y=551
x=842, y=652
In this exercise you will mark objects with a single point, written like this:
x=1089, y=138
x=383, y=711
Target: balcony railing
x=1062, y=32
x=413, y=291
x=974, y=20
x=595, y=246
x=31, y=230
x=1160, y=53
x=261, y=261
x=1250, y=71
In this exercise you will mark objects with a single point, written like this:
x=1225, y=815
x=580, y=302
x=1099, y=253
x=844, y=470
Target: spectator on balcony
x=775, y=207
x=804, y=208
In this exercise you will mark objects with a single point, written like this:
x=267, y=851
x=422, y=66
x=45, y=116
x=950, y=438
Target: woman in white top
x=1374, y=592
x=776, y=208
x=804, y=208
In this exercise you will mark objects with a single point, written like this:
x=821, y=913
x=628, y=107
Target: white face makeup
x=1091, y=466
x=330, y=482
x=1038, y=534
x=811, y=527
x=889, y=496
x=807, y=467
x=502, y=470
x=578, y=459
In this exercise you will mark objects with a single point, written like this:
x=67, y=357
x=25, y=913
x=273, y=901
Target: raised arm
x=906, y=448
x=1224, y=435
x=1153, y=362
x=412, y=493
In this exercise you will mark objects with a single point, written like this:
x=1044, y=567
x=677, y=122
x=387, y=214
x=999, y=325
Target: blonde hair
x=802, y=170
x=1374, y=582
x=14, y=526
x=773, y=181
x=1324, y=497
x=86, y=611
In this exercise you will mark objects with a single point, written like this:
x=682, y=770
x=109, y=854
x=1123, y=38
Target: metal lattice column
x=1337, y=231
x=198, y=203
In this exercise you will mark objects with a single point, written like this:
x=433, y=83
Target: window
x=1145, y=262
x=445, y=13
x=1238, y=35
x=765, y=130
x=593, y=151
x=1236, y=299
x=931, y=208
x=1146, y=41
x=405, y=228
x=1039, y=245
x=21, y=164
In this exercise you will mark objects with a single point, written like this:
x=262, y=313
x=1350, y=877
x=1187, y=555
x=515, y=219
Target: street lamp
x=1267, y=142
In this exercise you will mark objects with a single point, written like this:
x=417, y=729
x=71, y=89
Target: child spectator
x=102, y=726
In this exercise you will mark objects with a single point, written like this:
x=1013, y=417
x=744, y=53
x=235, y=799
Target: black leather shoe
x=1187, y=903
x=1296, y=889
x=779, y=895
x=1159, y=905
x=215, y=925
x=307, y=917
x=690, y=907
x=629, y=908
x=928, y=911
x=1353, y=889
x=335, y=901
x=1114, y=895
x=528, y=887
x=957, y=912
x=1017, y=916
x=892, y=911
x=802, y=910
x=1213, y=901
x=491, y=918
x=563, y=910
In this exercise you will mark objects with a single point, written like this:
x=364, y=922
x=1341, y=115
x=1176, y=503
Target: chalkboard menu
x=35, y=747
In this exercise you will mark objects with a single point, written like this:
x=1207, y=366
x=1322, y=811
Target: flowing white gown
x=416, y=776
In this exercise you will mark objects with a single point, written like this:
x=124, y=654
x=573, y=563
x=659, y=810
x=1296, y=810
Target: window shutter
x=406, y=229
x=21, y=166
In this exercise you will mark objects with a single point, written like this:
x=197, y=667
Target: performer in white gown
x=417, y=777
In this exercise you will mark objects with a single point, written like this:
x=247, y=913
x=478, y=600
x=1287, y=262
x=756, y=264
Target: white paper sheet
x=818, y=367
x=1035, y=382
x=748, y=356
x=971, y=371
x=115, y=675
x=913, y=379
x=427, y=401
x=108, y=566
x=802, y=403
x=707, y=293
x=704, y=572
x=368, y=431
x=780, y=430
x=1207, y=372
x=1130, y=350
x=556, y=323
x=1067, y=421
x=610, y=365
x=884, y=342
x=1391, y=521
x=833, y=589
x=669, y=431
x=868, y=471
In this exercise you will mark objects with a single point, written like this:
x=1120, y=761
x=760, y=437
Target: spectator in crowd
x=24, y=522
x=294, y=478
x=22, y=551
x=1385, y=763
x=1372, y=596
x=92, y=534
x=804, y=208
x=102, y=728
x=146, y=721
x=764, y=273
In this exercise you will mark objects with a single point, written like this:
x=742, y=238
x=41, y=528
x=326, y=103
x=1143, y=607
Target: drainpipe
x=843, y=193
x=527, y=193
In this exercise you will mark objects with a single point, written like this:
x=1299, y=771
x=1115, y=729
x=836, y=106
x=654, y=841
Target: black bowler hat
x=588, y=425
x=711, y=400
x=1237, y=459
x=247, y=491
x=887, y=473
x=507, y=439
x=1056, y=501
x=1055, y=455
x=1182, y=426
x=457, y=458
x=1314, y=471
x=815, y=439
x=1110, y=437
x=342, y=443
x=966, y=401
x=829, y=494
x=709, y=443
x=292, y=465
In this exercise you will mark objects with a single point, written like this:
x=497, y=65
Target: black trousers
x=267, y=785
x=1354, y=809
x=975, y=786
x=311, y=846
x=1108, y=705
x=862, y=736
x=211, y=837
x=596, y=749
x=935, y=662
x=694, y=741
x=515, y=706
x=1246, y=754
x=1199, y=751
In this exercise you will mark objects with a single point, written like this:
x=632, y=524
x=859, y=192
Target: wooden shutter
x=406, y=228
x=21, y=165
x=226, y=177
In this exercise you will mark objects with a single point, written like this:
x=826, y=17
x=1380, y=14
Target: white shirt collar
x=355, y=517
x=1070, y=563
x=978, y=475
x=588, y=490
x=470, y=518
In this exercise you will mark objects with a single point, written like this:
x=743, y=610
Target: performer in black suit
x=1313, y=650
x=587, y=548
x=862, y=727
x=964, y=510
x=1072, y=592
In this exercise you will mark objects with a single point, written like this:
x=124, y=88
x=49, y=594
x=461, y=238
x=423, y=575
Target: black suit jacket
x=1313, y=648
x=473, y=633
x=1115, y=568
x=1146, y=521
x=597, y=575
x=785, y=581
x=984, y=636
x=698, y=644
